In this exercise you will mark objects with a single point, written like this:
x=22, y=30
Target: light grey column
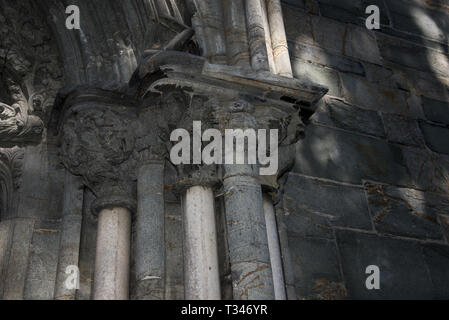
x=111, y=280
x=274, y=248
x=149, y=233
x=279, y=39
x=69, y=245
x=201, y=272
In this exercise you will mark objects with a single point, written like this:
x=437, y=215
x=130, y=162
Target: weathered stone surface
x=338, y=114
x=436, y=258
x=437, y=138
x=413, y=56
x=316, y=267
x=362, y=93
x=334, y=154
x=350, y=11
x=404, y=212
x=347, y=40
x=402, y=130
x=429, y=171
x=317, y=55
x=434, y=110
x=418, y=17
x=88, y=244
x=403, y=271
x=14, y=284
x=385, y=76
x=174, y=288
x=309, y=215
x=315, y=73
x=41, y=273
x=6, y=229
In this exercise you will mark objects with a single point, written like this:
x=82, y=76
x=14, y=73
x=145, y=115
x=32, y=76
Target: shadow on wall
x=371, y=180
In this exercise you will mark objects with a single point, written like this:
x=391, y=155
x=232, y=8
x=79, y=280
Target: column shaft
x=257, y=34
x=111, y=280
x=279, y=39
x=275, y=250
x=235, y=31
x=209, y=25
x=149, y=234
x=247, y=234
x=69, y=244
x=201, y=272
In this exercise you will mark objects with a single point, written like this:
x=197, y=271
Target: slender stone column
x=111, y=280
x=69, y=245
x=208, y=24
x=246, y=231
x=255, y=18
x=235, y=31
x=201, y=272
x=149, y=234
x=97, y=142
x=279, y=39
x=275, y=250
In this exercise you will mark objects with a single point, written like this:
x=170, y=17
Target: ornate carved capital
x=18, y=126
x=98, y=142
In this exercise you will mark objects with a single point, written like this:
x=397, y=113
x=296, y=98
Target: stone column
x=111, y=280
x=149, y=242
x=274, y=248
x=69, y=245
x=236, y=34
x=201, y=272
x=246, y=231
x=279, y=39
x=97, y=142
x=258, y=35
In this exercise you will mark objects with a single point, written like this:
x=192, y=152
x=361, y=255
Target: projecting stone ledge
x=172, y=68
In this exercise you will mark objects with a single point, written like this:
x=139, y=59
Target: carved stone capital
x=98, y=141
x=18, y=126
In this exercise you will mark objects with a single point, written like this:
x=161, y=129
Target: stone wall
x=370, y=185
x=371, y=181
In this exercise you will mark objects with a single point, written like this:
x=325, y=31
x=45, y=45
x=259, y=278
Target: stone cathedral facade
x=88, y=191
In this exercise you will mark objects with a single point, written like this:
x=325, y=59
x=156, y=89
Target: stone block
x=403, y=270
x=319, y=56
x=364, y=94
x=342, y=156
x=321, y=75
x=314, y=206
x=436, y=258
x=338, y=114
x=435, y=110
x=410, y=55
x=418, y=18
x=428, y=171
x=436, y=137
x=347, y=40
x=316, y=268
x=352, y=11
x=403, y=130
x=404, y=212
